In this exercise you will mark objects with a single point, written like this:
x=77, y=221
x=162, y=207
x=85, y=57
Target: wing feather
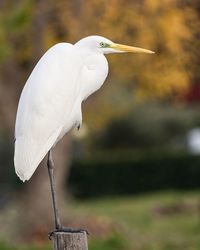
x=47, y=99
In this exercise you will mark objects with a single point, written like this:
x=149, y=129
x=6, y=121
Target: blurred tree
x=150, y=127
x=28, y=28
x=168, y=27
x=24, y=36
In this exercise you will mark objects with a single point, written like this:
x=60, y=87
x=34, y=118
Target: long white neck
x=94, y=73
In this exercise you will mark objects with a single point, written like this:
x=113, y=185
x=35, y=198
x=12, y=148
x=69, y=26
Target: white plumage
x=50, y=103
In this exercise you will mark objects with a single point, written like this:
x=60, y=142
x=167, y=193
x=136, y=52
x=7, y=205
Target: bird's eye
x=103, y=45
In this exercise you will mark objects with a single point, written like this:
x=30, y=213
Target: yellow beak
x=126, y=48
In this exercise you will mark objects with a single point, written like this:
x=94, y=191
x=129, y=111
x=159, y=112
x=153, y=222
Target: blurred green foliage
x=14, y=21
x=159, y=221
x=148, y=126
x=112, y=242
x=7, y=246
x=115, y=118
x=29, y=28
x=122, y=173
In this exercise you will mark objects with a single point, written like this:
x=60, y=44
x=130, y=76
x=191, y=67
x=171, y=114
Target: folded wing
x=47, y=99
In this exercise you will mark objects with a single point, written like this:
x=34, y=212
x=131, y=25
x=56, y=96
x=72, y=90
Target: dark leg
x=50, y=165
x=59, y=227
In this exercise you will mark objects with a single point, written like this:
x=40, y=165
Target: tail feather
x=29, y=154
x=25, y=163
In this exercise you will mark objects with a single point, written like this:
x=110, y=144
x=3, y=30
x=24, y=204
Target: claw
x=50, y=235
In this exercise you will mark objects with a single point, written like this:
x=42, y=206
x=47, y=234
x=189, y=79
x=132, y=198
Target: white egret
x=50, y=103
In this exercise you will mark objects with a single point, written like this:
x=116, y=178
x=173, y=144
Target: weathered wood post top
x=69, y=241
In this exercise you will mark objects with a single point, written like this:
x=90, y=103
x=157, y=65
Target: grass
x=159, y=221
x=156, y=221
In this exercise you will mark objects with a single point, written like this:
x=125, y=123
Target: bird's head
x=103, y=45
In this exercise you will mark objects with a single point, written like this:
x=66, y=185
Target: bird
x=51, y=100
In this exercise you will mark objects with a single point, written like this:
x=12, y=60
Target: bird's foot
x=67, y=230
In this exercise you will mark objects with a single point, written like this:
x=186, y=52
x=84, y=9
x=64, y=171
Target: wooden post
x=69, y=241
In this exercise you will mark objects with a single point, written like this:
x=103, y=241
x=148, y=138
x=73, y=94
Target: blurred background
x=131, y=175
